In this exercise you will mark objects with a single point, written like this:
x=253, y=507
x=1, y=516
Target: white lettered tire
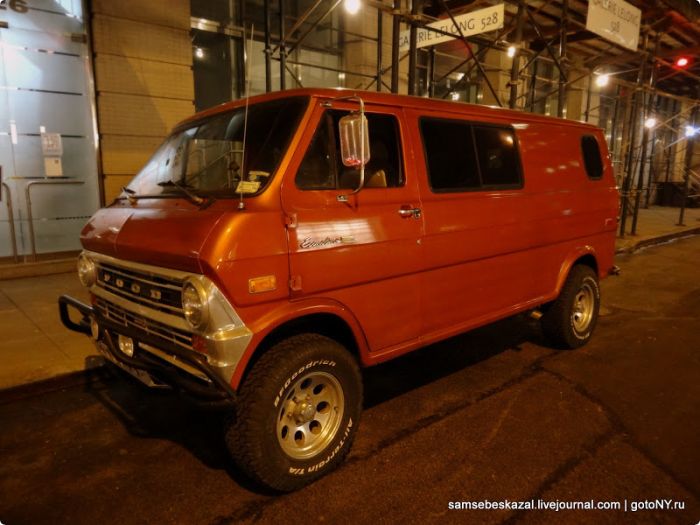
x=571, y=318
x=297, y=412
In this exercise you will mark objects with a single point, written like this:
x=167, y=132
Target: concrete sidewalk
x=658, y=224
x=34, y=345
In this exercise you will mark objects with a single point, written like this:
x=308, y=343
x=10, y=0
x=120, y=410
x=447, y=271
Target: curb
x=36, y=269
x=660, y=239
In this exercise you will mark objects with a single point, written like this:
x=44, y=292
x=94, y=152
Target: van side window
x=322, y=167
x=317, y=170
x=591, y=157
x=450, y=154
x=463, y=156
x=498, y=158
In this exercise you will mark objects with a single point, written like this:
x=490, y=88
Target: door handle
x=410, y=212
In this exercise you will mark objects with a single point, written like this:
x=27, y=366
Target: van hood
x=170, y=237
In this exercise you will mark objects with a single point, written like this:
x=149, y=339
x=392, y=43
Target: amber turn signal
x=266, y=283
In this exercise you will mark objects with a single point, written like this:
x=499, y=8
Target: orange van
x=270, y=249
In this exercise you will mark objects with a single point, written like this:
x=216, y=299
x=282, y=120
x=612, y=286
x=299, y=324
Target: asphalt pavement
x=493, y=415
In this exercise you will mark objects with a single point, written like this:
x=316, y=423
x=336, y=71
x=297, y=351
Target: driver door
x=363, y=253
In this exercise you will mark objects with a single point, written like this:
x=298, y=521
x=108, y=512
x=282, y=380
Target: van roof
x=391, y=99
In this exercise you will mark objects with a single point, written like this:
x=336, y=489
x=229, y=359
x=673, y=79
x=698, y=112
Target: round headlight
x=194, y=304
x=87, y=271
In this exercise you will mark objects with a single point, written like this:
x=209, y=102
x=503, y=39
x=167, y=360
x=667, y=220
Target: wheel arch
x=332, y=321
x=584, y=255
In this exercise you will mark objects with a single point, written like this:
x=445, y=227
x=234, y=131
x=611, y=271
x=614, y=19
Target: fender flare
x=569, y=261
x=291, y=311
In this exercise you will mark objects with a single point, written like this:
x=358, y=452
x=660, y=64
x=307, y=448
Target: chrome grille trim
x=165, y=318
x=138, y=298
x=135, y=285
x=130, y=320
x=226, y=338
x=131, y=274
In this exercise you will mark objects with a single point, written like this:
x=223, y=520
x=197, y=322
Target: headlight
x=87, y=271
x=194, y=304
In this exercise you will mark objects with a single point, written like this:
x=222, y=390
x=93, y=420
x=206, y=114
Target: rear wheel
x=570, y=320
x=297, y=412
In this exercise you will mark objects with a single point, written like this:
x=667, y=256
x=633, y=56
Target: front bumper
x=155, y=363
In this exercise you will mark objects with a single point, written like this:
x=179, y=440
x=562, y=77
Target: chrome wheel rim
x=584, y=304
x=310, y=415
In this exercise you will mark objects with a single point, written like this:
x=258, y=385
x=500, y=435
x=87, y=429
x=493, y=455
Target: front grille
x=127, y=319
x=154, y=291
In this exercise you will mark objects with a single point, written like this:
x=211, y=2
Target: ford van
x=272, y=248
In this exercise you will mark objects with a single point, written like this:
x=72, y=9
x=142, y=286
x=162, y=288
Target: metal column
x=395, y=34
x=689, y=151
x=629, y=165
x=268, y=51
x=431, y=72
x=413, y=50
x=379, y=49
x=515, y=66
x=588, y=97
x=562, y=58
x=283, y=48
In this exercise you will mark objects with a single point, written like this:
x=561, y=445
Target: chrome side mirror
x=354, y=140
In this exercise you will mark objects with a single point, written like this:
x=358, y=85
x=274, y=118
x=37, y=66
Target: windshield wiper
x=130, y=194
x=193, y=197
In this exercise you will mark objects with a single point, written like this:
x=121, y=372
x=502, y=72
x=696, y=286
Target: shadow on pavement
x=163, y=414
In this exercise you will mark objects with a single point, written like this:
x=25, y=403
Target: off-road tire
x=253, y=435
x=570, y=320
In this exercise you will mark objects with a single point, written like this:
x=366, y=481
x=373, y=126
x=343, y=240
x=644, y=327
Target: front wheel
x=297, y=412
x=570, y=320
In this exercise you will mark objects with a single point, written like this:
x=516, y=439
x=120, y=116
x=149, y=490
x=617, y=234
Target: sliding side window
x=462, y=156
x=449, y=151
x=498, y=157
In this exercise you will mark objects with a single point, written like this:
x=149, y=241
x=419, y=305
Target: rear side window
x=591, y=157
x=462, y=156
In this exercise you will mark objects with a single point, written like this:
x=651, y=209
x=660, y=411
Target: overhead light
x=352, y=6
x=454, y=95
x=682, y=61
x=650, y=123
x=690, y=131
x=602, y=80
x=511, y=51
x=199, y=52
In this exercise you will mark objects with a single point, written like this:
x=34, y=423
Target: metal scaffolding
x=553, y=58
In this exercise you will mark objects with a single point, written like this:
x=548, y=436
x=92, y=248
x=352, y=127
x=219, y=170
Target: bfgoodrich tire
x=297, y=412
x=570, y=320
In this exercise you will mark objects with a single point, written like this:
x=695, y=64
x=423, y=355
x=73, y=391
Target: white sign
x=616, y=21
x=474, y=23
x=51, y=144
x=53, y=167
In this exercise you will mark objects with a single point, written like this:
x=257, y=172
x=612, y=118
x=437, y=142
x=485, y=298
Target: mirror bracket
x=344, y=197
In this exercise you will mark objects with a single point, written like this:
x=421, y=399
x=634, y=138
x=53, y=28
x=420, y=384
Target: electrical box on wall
x=52, y=148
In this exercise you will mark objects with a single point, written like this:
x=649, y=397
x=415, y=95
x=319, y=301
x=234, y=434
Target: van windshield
x=207, y=158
